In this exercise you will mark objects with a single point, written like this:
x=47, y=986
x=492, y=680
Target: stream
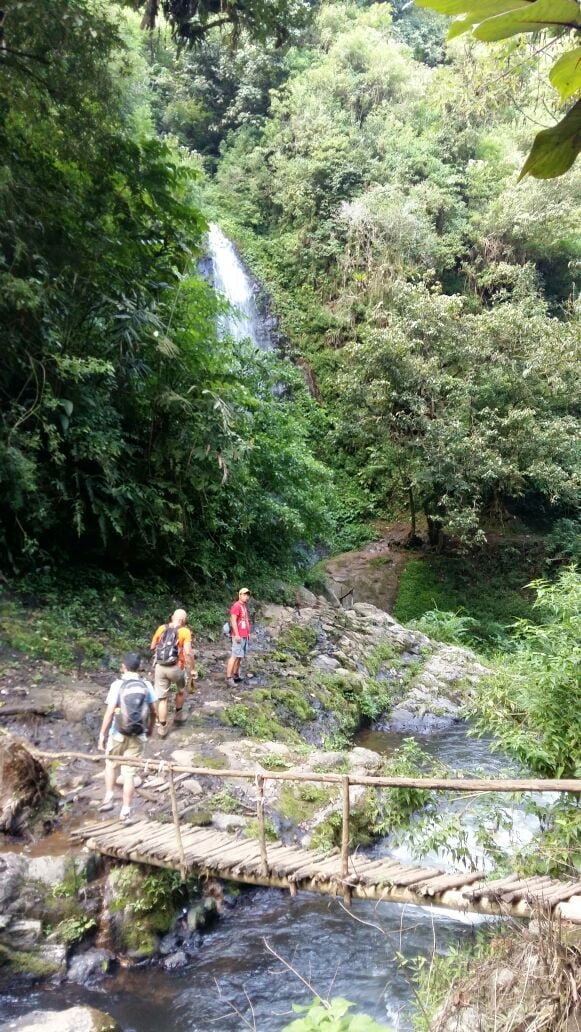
x=234, y=980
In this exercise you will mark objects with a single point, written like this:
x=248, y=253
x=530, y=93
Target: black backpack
x=167, y=650
x=133, y=717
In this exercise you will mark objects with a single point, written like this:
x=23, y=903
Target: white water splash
x=231, y=279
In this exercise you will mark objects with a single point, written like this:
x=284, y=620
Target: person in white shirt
x=127, y=724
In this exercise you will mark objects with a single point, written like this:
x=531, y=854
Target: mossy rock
x=300, y=803
x=298, y=639
x=20, y=962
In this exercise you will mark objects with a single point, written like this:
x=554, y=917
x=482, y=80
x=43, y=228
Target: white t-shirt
x=113, y=700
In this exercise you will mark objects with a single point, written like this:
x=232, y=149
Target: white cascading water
x=231, y=279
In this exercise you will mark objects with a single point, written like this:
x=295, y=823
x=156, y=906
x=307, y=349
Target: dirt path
x=372, y=573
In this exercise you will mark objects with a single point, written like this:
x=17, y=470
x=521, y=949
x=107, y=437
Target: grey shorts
x=240, y=648
x=168, y=679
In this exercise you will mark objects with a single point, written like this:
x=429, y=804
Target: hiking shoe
x=125, y=814
x=230, y=682
x=162, y=730
x=108, y=804
x=180, y=717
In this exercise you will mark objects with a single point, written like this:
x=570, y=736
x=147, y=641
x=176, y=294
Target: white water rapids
x=232, y=280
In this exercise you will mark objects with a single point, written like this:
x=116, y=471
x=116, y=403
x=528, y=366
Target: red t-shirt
x=240, y=611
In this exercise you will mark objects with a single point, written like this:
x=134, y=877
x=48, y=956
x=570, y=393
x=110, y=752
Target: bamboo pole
x=345, y=840
x=261, y=825
x=176, y=820
x=436, y=784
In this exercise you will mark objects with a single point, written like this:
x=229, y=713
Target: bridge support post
x=345, y=841
x=176, y=820
x=261, y=826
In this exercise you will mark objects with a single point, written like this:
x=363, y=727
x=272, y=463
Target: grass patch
x=225, y=801
x=488, y=590
x=300, y=802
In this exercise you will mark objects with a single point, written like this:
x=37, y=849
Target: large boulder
x=74, y=1019
x=24, y=786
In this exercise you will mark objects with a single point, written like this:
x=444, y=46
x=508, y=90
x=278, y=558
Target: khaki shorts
x=168, y=679
x=132, y=745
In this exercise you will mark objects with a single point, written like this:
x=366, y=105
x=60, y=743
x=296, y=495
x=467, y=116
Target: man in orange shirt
x=174, y=666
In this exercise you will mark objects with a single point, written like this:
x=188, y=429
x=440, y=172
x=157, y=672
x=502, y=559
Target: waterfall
x=232, y=280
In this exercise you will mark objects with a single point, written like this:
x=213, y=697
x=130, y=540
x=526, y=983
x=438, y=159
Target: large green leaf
x=486, y=9
x=565, y=74
x=479, y=9
x=555, y=149
x=543, y=14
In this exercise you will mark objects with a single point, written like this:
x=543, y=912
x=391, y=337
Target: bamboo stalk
x=345, y=842
x=261, y=824
x=437, y=784
x=176, y=820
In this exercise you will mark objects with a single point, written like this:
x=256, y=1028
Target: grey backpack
x=133, y=717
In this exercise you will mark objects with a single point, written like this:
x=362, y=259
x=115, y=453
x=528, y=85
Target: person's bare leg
x=110, y=771
x=180, y=699
x=128, y=789
x=232, y=668
x=162, y=710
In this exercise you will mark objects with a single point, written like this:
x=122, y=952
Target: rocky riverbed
x=317, y=673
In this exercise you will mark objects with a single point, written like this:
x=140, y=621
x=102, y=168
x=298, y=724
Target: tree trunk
x=412, y=538
x=24, y=786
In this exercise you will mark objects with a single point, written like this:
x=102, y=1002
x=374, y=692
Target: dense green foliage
x=533, y=704
x=128, y=430
x=430, y=298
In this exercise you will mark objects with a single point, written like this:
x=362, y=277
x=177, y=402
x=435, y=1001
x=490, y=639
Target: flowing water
x=231, y=279
x=233, y=981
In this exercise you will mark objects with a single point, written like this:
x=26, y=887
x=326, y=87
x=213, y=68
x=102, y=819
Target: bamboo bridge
x=345, y=873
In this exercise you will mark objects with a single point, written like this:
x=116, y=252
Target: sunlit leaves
x=554, y=149
x=565, y=75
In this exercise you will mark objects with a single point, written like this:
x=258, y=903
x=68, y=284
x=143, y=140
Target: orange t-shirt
x=184, y=635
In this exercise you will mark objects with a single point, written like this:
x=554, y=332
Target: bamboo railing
x=346, y=781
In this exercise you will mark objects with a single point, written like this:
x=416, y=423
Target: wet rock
x=325, y=760
x=228, y=821
x=24, y=934
x=328, y=664
x=86, y=967
x=183, y=757
x=304, y=597
x=402, y=719
x=175, y=961
x=192, y=786
x=201, y=913
x=169, y=944
x=365, y=759
x=74, y=1019
x=12, y=872
x=53, y=870
x=54, y=955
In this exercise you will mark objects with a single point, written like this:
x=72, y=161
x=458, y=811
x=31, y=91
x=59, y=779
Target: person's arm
x=107, y=721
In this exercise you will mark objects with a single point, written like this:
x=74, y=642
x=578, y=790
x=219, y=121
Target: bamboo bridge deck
x=253, y=861
x=215, y=853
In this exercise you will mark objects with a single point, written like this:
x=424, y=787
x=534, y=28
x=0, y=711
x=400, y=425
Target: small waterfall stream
x=231, y=279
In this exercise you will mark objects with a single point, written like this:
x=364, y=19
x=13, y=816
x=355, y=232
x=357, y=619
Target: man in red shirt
x=240, y=633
